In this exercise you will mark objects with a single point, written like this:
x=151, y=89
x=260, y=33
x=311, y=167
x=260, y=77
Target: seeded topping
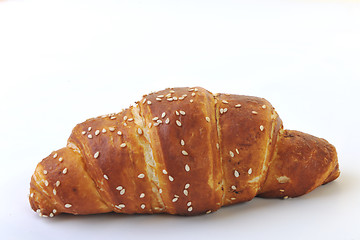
x=174, y=199
x=57, y=183
x=163, y=115
x=217, y=145
x=46, y=183
x=190, y=209
x=120, y=206
x=224, y=101
x=144, y=100
x=142, y=206
x=119, y=188
x=286, y=197
x=111, y=129
x=149, y=102
x=167, y=121
x=112, y=118
x=155, y=118
x=232, y=154
x=238, y=105
x=232, y=198
x=208, y=212
x=237, y=151
x=68, y=205
x=83, y=132
x=64, y=171
x=160, y=96
x=160, y=190
x=96, y=155
x=97, y=132
x=90, y=136
x=186, y=192
x=177, y=113
x=142, y=195
x=187, y=185
x=139, y=131
x=170, y=99
x=250, y=171
x=32, y=195
x=187, y=168
x=261, y=128
x=191, y=100
x=104, y=130
x=45, y=172
x=182, y=112
x=225, y=110
x=125, y=118
x=164, y=171
x=122, y=191
x=54, y=211
x=106, y=177
x=236, y=173
x=193, y=94
x=182, y=142
x=60, y=159
x=55, y=155
x=282, y=190
x=221, y=110
x=171, y=178
x=254, y=112
x=233, y=187
x=178, y=123
x=51, y=215
x=149, y=125
x=184, y=152
x=141, y=175
x=158, y=99
x=123, y=145
x=263, y=106
x=54, y=191
x=172, y=91
x=119, y=133
x=188, y=204
x=207, y=119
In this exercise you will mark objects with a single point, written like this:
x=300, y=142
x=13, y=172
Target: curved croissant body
x=180, y=151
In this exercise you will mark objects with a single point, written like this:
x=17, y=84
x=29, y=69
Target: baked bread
x=180, y=151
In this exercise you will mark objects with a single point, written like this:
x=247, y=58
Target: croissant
x=181, y=151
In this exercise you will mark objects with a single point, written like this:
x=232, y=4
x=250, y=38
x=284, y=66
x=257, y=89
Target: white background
x=62, y=62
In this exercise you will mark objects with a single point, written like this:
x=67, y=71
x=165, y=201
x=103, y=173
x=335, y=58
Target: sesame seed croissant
x=180, y=151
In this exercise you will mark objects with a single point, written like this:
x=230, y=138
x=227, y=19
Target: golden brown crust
x=180, y=151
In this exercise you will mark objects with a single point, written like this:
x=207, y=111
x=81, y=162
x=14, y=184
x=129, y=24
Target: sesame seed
x=54, y=211
x=45, y=216
x=156, y=124
x=282, y=190
x=61, y=159
x=120, y=206
x=57, y=183
x=96, y=155
x=111, y=129
x=182, y=112
x=141, y=175
x=177, y=113
x=163, y=115
x=139, y=131
x=142, y=206
x=225, y=110
x=187, y=185
x=64, y=171
x=142, y=195
x=170, y=99
x=160, y=96
x=232, y=154
x=106, y=177
x=55, y=155
x=159, y=121
x=45, y=172
x=158, y=99
x=119, y=133
x=181, y=98
x=236, y=173
x=233, y=187
x=184, y=152
x=176, y=195
x=263, y=106
x=261, y=128
x=224, y=101
x=237, y=151
x=167, y=121
x=188, y=204
x=160, y=190
x=51, y=215
x=195, y=89
x=119, y=188
x=46, y=183
x=125, y=118
x=190, y=209
x=83, y=132
x=122, y=191
x=175, y=98
x=178, y=123
x=54, y=191
x=112, y=118
x=149, y=102
x=217, y=145
x=68, y=205
x=149, y=125
x=164, y=171
x=191, y=100
x=191, y=89
x=38, y=211
x=97, y=132
x=89, y=129
x=232, y=198
x=32, y=195
x=172, y=91
x=238, y=105
x=144, y=100
x=250, y=171
x=155, y=118
x=208, y=212
x=90, y=136
x=182, y=142
x=104, y=130
x=187, y=168
x=221, y=110
x=123, y=145
x=286, y=197
x=171, y=178
x=174, y=199
x=254, y=112
x=207, y=119
x=186, y=192
x=193, y=94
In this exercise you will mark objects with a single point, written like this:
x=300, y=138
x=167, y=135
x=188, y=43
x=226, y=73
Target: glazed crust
x=180, y=151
